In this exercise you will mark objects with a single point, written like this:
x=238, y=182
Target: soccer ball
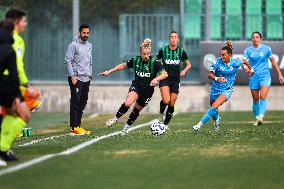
x=158, y=128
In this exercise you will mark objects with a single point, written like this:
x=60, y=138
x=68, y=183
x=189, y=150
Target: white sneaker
x=258, y=121
x=3, y=163
x=196, y=127
x=161, y=117
x=112, y=121
x=125, y=130
x=216, y=124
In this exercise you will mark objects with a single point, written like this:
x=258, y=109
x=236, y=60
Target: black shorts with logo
x=173, y=84
x=144, y=93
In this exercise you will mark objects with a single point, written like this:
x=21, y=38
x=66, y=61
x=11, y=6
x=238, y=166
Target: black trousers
x=78, y=101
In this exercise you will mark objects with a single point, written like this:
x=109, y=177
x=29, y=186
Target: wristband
x=216, y=78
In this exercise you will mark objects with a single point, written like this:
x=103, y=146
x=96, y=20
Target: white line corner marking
x=66, y=152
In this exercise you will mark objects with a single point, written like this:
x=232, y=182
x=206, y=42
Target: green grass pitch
x=238, y=156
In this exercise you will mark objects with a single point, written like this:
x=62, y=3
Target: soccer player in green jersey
x=172, y=57
x=148, y=72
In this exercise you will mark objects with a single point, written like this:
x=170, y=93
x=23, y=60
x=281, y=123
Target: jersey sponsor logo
x=143, y=74
x=172, y=62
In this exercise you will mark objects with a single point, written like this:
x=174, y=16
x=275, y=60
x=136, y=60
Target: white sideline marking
x=52, y=137
x=41, y=140
x=68, y=151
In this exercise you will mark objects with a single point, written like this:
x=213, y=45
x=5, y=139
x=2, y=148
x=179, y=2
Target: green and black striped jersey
x=145, y=71
x=171, y=60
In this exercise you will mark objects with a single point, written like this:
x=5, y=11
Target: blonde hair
x=146, y=44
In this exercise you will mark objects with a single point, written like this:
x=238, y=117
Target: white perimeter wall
x=107, y=99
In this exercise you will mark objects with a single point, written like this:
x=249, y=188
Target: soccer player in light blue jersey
x=223, y=73
x=258, y=55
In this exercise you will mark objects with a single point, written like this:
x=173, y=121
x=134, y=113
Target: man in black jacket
x=16, y=114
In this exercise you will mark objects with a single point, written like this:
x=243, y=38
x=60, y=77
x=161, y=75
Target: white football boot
x=112, y=121
x=216, y=124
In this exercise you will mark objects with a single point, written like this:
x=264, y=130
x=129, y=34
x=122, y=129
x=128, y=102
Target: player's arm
x=119, y=67
x=212, y=76
x=276, y=67
x=187, y=67
x=20, y=65
x=246, y=66
x=69, y=59
x=212, y=71
x=187, y=62
x=162, y=74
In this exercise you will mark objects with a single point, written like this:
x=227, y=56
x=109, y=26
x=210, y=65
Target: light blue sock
x=255, y=108
x=262, y=106
x=216, y=115
x=208, y=115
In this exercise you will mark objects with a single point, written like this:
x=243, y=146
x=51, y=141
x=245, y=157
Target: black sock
x=162, y=107
x=169, y=114
x=122, y=110
x=133, y=116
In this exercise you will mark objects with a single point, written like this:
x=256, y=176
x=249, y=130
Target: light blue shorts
x=214, y=95
x=259, y=80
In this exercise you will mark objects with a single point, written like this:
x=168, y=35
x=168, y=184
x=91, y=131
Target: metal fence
x=47, y=39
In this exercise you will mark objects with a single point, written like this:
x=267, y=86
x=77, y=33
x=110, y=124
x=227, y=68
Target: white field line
x=41, y=140
x=52, y=137
x=66, y=152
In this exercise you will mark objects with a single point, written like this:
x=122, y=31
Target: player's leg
x=265, y=82
x=17, y=117
x=75, y=91
x=263, y=100
x=129, y=101
x=212, y=111
x=82, y=104
x=141, y=102
x=254, y=84
x=132, y=117
x=171, y=108
x=165, y=94
x=174, y=89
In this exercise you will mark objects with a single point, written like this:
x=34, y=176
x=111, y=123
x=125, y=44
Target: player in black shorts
x=148, y=72
x=16, y=113
x=172, y=55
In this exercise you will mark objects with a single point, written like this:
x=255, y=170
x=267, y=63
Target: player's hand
x=281, y=80
x=154, y=82
x=105, y=73
x=74, y=80
x=182, y=74
x=247, y=70
x=222, y=79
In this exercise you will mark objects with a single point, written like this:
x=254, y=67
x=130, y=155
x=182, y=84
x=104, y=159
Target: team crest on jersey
x=146, y=68
x=261, y=53
x=173, y=62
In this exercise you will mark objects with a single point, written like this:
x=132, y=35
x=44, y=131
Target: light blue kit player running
x=258, y=55
x=223, y=72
